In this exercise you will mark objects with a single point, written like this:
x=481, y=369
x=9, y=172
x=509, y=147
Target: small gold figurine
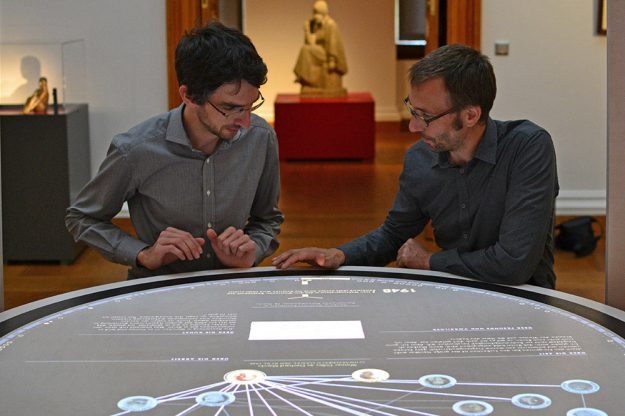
x=38, y=102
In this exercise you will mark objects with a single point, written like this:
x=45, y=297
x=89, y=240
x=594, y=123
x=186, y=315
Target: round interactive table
x=353, y=341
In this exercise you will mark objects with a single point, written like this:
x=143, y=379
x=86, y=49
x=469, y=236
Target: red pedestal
x=325, y=128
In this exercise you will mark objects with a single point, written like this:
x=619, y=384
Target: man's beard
x=223, y=133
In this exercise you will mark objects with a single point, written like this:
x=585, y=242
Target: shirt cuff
x=349, y=254
x=128, y=250
x=261, y=252
x=440, y=260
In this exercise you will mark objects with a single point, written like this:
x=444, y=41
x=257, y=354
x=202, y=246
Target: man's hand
x=172, y=244
x=412, y=256
x=327, y=258
x=233, y=247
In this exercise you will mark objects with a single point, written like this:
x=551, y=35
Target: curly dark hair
x=468, y=76
x=213, y=55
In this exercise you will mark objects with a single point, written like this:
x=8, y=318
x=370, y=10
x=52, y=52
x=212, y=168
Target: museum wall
x=554, y=75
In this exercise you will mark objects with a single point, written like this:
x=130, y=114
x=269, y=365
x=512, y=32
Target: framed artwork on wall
x=602, y=18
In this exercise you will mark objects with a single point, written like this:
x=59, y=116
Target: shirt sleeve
x=405, y=220
x=265, y=219
x=527, y=223
x=88, y=219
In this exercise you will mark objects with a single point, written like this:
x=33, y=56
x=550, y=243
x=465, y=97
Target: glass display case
x=62, y=63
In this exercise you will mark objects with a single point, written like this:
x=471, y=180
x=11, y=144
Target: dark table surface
x=356, y=341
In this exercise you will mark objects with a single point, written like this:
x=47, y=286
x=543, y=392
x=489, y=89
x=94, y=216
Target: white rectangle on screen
x=301, y=330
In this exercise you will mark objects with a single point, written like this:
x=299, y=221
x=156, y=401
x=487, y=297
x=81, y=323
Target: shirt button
x=210, y=225
x=465, y=235
x=207, y=160
x=208, y=255
x=463, y=205
x=461, y=171
x=208, y=193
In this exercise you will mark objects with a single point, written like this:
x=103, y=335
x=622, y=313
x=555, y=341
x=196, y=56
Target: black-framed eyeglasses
x=239, y=110
x=426, y=120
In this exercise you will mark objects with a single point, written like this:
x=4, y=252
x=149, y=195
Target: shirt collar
x=486, y=149
x=175, y=129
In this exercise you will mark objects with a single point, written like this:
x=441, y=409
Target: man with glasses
x=487, y=186
x=207, y=170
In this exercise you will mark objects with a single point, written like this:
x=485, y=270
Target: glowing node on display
x=370, y=375
x=137, y=403
x=580, y=386
x=245, y=376
x=585, y=411
x=531, y=401
x=215, y=399
x=472, y=408
x=437, y=381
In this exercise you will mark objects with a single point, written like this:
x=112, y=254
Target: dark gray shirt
x=493, y=218
x=167, y=183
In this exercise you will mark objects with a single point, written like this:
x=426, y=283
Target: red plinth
x=325, y=128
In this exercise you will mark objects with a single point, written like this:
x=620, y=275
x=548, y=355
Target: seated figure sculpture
x=321, y=63
x=38, y=101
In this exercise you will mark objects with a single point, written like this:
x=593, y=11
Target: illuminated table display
x=357, y=341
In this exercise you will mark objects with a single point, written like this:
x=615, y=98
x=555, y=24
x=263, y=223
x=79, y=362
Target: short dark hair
x=213, y=55
x=468, y=76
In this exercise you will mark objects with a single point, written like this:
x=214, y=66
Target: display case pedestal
x=45, y=162
x=325, y=128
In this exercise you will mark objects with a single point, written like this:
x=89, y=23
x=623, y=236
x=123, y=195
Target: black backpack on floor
x=577, y=235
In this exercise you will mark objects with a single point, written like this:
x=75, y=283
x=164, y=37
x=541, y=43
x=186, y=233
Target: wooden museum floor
x=325, y=203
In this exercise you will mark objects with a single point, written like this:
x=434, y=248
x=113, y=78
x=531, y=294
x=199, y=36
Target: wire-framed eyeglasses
x=236, y=111
x=422, y=117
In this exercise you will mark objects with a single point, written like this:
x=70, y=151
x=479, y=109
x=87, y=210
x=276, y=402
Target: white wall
x=555, y=75
x=125, y=60
x=277, y=29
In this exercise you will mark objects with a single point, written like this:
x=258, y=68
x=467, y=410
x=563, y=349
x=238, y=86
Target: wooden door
x=182, y=16
x=464, y=22
x=448, y=21
x=432, y=18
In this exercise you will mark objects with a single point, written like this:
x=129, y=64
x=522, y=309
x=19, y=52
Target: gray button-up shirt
x=493, y=218
x=167, y=183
